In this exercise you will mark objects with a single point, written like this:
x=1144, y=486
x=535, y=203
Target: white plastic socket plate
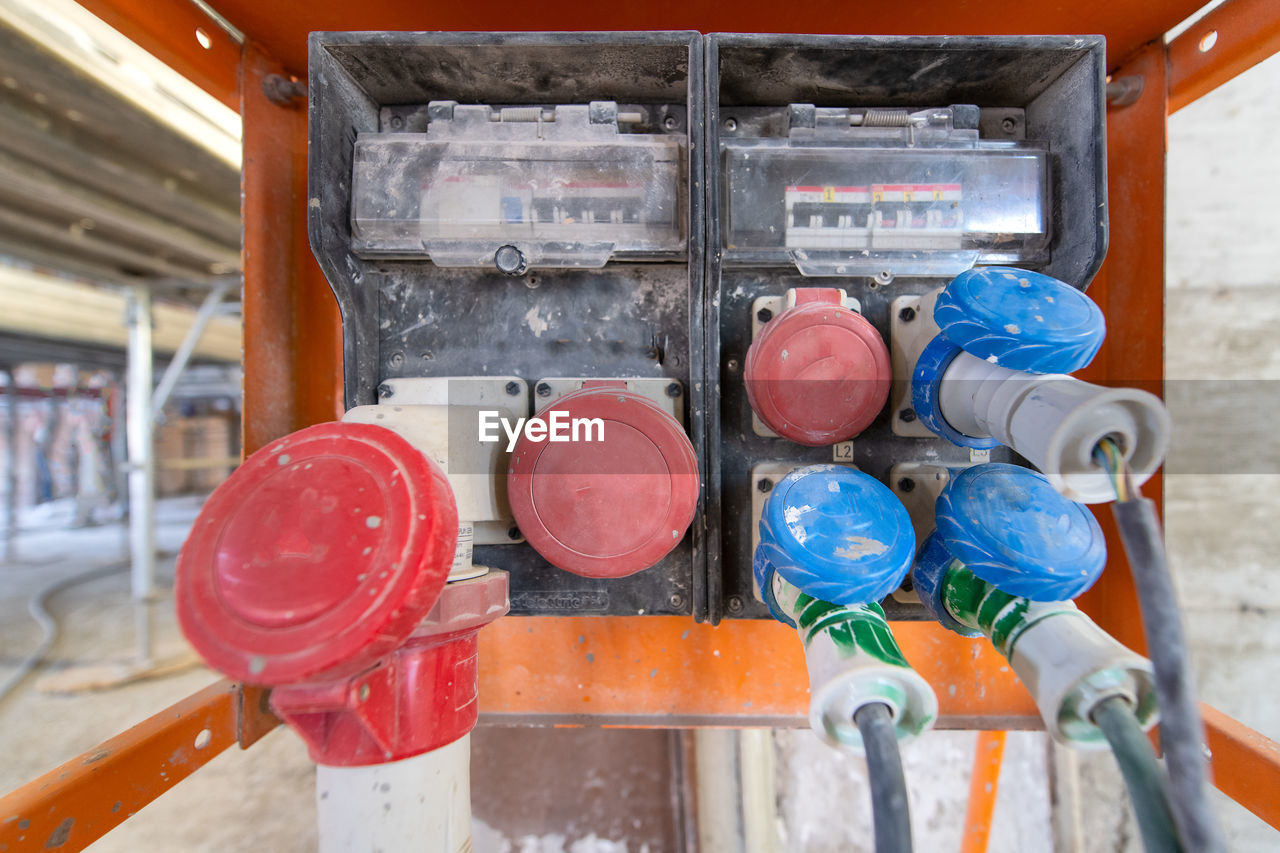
x=653, y=389
x=907, y=339
x=492, y=514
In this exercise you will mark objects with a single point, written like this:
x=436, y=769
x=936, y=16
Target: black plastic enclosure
x=411, y=318
x=1046, y=90
x=686, y=318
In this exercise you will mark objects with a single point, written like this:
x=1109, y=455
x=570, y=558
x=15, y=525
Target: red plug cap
x=818, y=373
x=317, y=557
x=611, y=507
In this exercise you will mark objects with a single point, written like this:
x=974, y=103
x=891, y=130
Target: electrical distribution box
x=523, y=217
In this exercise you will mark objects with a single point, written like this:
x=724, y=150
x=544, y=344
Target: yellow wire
x=1117, y=467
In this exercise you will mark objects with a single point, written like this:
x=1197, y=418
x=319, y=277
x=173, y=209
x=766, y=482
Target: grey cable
x=1181, y=730
x=36, y=606
x=1143, y=776
x=890, y=810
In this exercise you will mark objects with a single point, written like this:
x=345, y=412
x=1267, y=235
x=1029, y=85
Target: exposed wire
x=1181, y=730
x=1108, y=455
x=890, y=810
x=37, y=607
x=1143, y=775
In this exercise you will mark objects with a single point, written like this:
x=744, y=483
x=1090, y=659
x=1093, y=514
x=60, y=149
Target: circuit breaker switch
x=819, y=372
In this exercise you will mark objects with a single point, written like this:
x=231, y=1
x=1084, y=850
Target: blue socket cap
x=1014, y=530
x=762, y=570
x=926, y=383
x=1021, y=320
x=927, y=575
x=836, y=534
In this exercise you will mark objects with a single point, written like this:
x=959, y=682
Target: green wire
x=1143, y=775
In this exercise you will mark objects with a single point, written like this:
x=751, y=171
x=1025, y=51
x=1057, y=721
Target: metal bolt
x=282, y=91
x=731, y=124
x=670, y=123
x=1008, y=124
x=764, y=315
x=676, y=601
x=385, y=391
x=906, y=315
x=882, y=277
x=735, y=604
x=907, y=415
x=513, y=533
x=543, y=389
x=513, y=388
x=674, y=389
x=906, y=484
x=397, y=359
x=732, y=365
x=764, y=484
x=397, y=122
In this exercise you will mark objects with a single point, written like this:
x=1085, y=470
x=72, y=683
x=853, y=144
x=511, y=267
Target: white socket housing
x=1056, y=421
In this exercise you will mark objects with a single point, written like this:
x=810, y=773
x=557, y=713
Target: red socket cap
x=317, y=557
x=818, y=373
x=610, y=507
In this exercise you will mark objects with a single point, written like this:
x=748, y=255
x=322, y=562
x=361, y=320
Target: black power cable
x=1143, y=775
x=890, y=810
x=1181, y=730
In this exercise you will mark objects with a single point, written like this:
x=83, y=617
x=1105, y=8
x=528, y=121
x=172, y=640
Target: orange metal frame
x=646, y=670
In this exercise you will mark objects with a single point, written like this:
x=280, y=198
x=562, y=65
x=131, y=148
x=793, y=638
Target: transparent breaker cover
x=561, y=185
x=885, y=192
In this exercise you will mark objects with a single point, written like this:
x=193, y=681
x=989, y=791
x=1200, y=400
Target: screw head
x=906, y=315
x=906, y=484
x=907, y=415
x=732, y=365
x=1008, y=124
x=385, y=391
x=731, y=124
x=397, y=122
x=397, y=359
x=764, y=315
x=513, y=388
x=674, y=389
x=764, y=484
x=735, y=604
x=513, y=533
x=670, y=123
x=676, y=601
x=543, y=389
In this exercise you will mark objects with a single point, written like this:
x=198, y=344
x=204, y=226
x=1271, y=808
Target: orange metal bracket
x=1245, y=764
x=74, y=805
x=292, y=331
x=176, y=32
x=668, y=671
x=1130, y=290
x=984, y=786
x=1228, y=41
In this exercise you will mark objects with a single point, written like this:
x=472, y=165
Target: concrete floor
x=535, y=795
